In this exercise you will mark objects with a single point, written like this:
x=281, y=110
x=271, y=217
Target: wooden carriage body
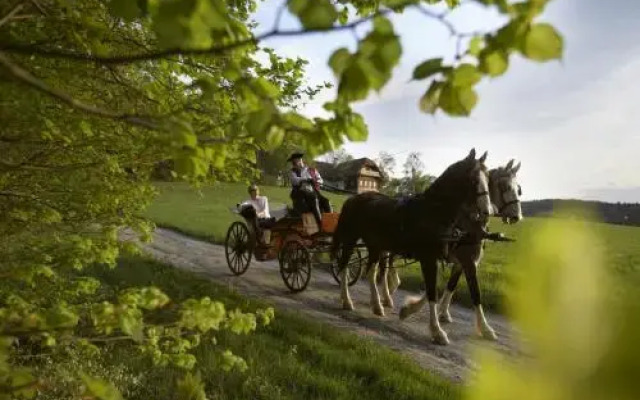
x=294, y=242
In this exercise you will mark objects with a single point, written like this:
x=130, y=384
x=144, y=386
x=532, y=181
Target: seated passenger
x=261, y=205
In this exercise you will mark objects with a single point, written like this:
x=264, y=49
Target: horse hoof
x=445, y=318
x=348, y=306
x=440, y=338
x=489, y=334
x=404, y=313
x=379, y=311
x=388, y=303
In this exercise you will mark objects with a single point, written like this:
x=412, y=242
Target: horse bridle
x=476, y=216
x=506, y=203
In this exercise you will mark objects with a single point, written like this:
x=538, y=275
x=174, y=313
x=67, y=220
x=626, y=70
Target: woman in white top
x=260, y=203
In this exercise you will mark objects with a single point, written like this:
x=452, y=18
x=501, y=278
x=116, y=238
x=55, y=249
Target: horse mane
x=445, y=189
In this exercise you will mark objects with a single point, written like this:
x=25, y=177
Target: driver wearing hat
x=305, y=183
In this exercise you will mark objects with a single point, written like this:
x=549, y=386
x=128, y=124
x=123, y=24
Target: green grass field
x=208, y=216
x=292, y=358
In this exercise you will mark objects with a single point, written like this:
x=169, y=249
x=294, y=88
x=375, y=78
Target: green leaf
x=297, y=121
x=430, y=101
x=190, y=387
x=542, y=43
x=297, y=6
x=125, y=9
x=382, y=25
x=428, y=68
x=493, y=62
x=132, y=325
x=388, y=54
x=259, y=121
x=339, y=60
x=230, y=361
x=99, y=388
x=343, y=16
x=356, y=128
x=314, y=14
x=510, y=35
x=61, y=317
x=465, y=75
x=266, y=88
x=457, y=101
x=274, y=137
x=354, y=84
x=475, y=45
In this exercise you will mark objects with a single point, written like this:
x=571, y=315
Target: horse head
x=505, y=192
x=467, y=183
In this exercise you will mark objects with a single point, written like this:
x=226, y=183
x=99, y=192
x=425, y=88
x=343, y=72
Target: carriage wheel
x=238, y=248
x=295, y=266
x=354, y=267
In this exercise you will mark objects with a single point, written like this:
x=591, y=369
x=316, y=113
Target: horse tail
x=412, y=305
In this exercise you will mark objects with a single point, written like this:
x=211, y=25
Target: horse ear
x=516, y=168
x=483, y=158
x=472, y=154
x=509, y=165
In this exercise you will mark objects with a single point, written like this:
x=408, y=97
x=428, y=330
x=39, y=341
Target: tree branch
x=24, y=76
x=13, y=12
x=148, y=56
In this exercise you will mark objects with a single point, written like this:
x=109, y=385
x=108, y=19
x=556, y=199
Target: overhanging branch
x=213, y=50
x=26, y=77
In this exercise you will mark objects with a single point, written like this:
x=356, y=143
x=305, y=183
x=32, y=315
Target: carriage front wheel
x=295, y=266
x=238, y=248
x=354, y=266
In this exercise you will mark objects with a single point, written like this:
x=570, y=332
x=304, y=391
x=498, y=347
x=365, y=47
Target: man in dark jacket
x=304, y=189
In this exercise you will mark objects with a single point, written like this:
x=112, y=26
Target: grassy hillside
x=208, y=216
x=293, y=358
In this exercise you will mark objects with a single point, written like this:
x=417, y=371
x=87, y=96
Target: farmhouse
x=360, y=175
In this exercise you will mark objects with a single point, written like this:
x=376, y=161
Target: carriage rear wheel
x=238, y=248
x=354, y=266
x=295, y=266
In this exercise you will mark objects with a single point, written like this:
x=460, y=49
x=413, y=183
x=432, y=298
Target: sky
x=574, y=124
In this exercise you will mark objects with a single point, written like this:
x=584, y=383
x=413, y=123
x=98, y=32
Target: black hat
x=295, y=156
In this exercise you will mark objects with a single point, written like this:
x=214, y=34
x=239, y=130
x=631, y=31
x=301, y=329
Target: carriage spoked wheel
x=295, y=266
x=354, y=266
x=238, y=248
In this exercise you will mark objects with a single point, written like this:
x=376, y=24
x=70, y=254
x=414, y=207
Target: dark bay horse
x=466, y=254
x=414, y=229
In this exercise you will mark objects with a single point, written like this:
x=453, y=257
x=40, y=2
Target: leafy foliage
x=96, y=93
x=582, y=339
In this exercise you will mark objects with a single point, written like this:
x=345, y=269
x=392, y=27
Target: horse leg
x=445, y=300
x=429, y=267
x=345, y=256
x=482, y=326
x=372, y=271
x=385, y=265
x=394, y=277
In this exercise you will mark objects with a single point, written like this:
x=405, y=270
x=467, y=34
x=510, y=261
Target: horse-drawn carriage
x=296, y=242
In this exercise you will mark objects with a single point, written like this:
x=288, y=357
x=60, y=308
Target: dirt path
x=321, y=302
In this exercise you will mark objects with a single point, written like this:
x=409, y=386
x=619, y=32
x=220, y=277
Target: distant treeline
x=612, y=213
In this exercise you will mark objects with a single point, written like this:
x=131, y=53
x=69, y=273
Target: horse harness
x=503, y=200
